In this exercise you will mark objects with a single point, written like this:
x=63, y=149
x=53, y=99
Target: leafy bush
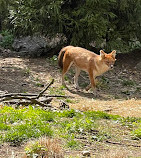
x=7, y=40
x=110, y=24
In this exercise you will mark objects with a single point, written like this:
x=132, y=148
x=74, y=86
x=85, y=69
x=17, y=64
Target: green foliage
x=24, y=124
x=57, y=91
x=83, y=22
x=34, y=149
x=4, y=126
x=101, y=115
x=137, y=133
x=128, y=83
x=53, y=60
x=47, y=116
x=70, y=100
x=4, y=13
x=18, y=125
x=72, y=143
x=130, y=121
x=103, y=83
x=68, y=113
x=38, y=84
x=25, y=131
x=7, y=39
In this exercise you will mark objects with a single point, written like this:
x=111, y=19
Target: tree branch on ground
x=30, y=98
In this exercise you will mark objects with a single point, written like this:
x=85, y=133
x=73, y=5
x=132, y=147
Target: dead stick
x=59, y=96
x=18, y=101
x=118, y=143
x=18, y=94
x=33, y=95
x=33, y=100
x=41, y=93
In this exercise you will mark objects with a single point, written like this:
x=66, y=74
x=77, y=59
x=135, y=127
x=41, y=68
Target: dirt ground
x=119, y=89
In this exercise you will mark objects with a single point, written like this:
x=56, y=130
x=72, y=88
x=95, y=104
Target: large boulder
x=37, y=45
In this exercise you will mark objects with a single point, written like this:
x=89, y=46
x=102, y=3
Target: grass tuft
x=44, y=147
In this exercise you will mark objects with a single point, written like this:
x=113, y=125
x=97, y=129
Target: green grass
x=35, y=148
x=137, y=133
x=38, y=84
x=102, y=83
x=3, y=126
x=70, y=100
x=18, y=125
x=57, y=91
x=72, y=143
x=53, y=60
x=128, y=82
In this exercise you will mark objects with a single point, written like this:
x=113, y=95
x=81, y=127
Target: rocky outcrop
x=38, y=45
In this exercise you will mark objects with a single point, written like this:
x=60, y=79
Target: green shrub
x=8, y=39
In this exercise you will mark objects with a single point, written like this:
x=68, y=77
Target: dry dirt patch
x=30, y=75
x=131, y=107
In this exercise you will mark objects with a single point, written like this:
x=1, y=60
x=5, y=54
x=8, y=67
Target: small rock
x=86, y=153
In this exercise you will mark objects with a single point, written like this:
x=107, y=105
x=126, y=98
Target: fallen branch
x=30, y=98
x=34, y=95
x=18, y=94
x=118, y=143
x=26, y=102
x=41, y=93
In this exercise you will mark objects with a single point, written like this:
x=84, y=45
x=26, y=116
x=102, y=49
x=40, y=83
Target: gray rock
x=32, y=46
x=86, y=153
x=37, y=45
